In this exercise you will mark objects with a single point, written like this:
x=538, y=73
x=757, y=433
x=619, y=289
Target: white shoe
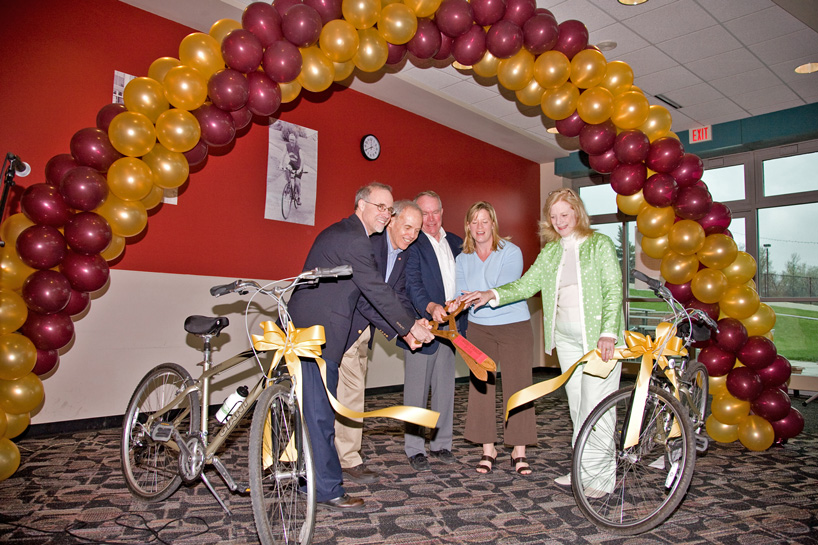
x=565, y=480
x=595, y=492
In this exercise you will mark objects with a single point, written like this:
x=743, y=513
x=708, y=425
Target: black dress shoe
x=419, y=462
x=344, y=503
x=444, y=455
x=360, y=474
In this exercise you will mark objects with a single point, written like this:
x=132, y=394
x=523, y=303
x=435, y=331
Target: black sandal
x=488, y=468
x=524, y=470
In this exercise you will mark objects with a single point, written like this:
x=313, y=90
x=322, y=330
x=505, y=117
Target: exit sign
x=701, y=134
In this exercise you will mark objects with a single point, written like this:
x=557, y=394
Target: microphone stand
x=8, y=183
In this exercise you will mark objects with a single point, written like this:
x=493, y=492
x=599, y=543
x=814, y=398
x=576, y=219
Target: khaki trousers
x=351, y=389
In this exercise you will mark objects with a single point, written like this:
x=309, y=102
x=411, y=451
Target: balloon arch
x=94, y=198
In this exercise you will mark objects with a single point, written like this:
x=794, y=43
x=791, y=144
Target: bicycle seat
x=205, y=325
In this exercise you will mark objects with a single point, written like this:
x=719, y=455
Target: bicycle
x=166, y=438
x=631, y=488
x=291, y=194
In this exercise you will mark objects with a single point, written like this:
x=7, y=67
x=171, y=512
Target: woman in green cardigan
x=580, y=278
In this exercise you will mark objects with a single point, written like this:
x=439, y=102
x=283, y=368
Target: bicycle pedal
x=162, y=432
x=702, y=443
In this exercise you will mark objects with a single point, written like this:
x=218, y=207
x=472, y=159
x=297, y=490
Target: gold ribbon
x=666, y=344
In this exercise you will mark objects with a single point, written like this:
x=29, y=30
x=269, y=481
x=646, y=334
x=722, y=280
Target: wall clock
x=370, y=147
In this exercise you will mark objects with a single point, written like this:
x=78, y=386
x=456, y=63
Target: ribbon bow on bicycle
x=479, y=363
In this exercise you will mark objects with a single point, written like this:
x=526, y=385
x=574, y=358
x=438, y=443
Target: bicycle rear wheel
x=287, y=198
x=696, y=382
x=151, y=467
x=633, y=490
x=282, y=481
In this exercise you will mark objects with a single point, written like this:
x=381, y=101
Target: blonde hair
x=496, y=240
x=583, y=228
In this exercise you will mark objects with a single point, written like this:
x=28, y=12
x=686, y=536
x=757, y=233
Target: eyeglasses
x=382, y=207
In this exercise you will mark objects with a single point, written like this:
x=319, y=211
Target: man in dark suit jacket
x=331, y=304
x=430, y=282
x=388, y=248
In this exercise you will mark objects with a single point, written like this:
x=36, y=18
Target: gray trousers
x=425, y=373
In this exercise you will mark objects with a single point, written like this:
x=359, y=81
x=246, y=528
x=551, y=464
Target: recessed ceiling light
x=461, y=66
x=607, y=45
x=552, y=130
x=808, y=68
x=632, y=2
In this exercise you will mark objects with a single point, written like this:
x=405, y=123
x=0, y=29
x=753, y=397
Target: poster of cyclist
x=292, y=172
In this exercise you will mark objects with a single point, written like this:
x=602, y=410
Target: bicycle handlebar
x=243, y=286
x=662, y=292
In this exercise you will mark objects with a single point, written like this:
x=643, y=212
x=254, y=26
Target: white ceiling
x=720, y=60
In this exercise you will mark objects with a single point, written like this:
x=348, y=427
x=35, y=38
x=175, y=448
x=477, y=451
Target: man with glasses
x=331, y=304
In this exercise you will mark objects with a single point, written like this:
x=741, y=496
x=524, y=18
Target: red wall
x=57, y=72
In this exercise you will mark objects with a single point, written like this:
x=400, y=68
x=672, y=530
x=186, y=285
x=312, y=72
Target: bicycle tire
x=151, y=468
x=697, y=381
x=287, y=199
x=283, y=493
x=631, y=496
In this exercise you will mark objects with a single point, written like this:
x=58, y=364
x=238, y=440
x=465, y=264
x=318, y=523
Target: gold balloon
x=178, y=130
x=708, y=285
x=9, y=458
x=16, y=424
x=595, y=105
x=487, y=66
x=13, y=312
x=717, y=385
x=290, y=91
x=372, y=51
x=628, y=89
x=561, y=102
x=762, y=320
x=130, y=179
x=126, y=218
x=618, y=77
x=317, y=70
x=18, y=356
x=423, y=8
x=342, y=71
x=185, y=87
x=13, y=272
x=552, y=69
x=739, y=302
x=532, y=94
x=630, y=110
x=756, y=433
x=728, y=409
x=114, y=249
x=657, y=124
x=686, y=237
x=338, y=40
x=588, y=68
x=654, y=222
x=146, y=96
x=515, y=72
x=630, y=204
x=677, y=268
x=153, y=199
x=723, y=433
x=22, y=395
x=160, y=67
x=170, y=168
x=13, y=226
x=718, y=251
x=741, y=270
x=3, y=423
x=221, y=28
x=361, y=14
x=397, y=23
x=202, y=52
x=655, y=247
x=132, y=134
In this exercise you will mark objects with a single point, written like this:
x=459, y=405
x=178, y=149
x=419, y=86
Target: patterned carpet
x=69, y=489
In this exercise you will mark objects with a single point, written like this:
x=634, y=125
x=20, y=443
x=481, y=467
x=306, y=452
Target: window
x=725, y=184
x=788, y=175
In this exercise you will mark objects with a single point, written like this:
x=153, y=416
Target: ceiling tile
x=581, y=10
x=788, y=47
x=671, y=21
x=434, y=78
x=760, y=78
x=695, y=94
x=700, y=45
x=666, y=80
x=765, y=97
x=703, y=112
x=625, y=39
x=498, y=106
x=764, y=25
x=681, y=122
x=621, y=12
x=725, y=64
x=648, y=60
x=806, y=87
x=469, y=92
x=776, y=107
x=726, y=118
x=727, y=11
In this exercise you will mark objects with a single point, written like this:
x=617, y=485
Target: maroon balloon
x=603, y=163
x=504, y=39
x=717, y=219
x=42, y=203
x=628, y=179
x=241, y=118
x=265, y=94
x=777, y=373
x=631, y=146
x=216, y=124
x=282, y=6
x=540, y=32
x=665, y=155
x=681, y=292
x=46, y=291
x=731, y=336
x=228, y=89
x=789, y=426
x=454, y=17
x=84, y=188
x=744, y=383
x=712, y=309
x=445, y=51
x=281, y=62
x=57, y=167
x=689, y=171
x=572, y=39
x=427, y=39
x=772, y=404
x=661, y=190
x=78, y=302
x=264, y=22
x=758, y=352
x=327, y=9
x=46, y=361
x=242, y=50
x=571, y=126
x=48, y=331
x=91, y=147
x=692, y=203
x=301, y=25
x=41, y=246
x=597, y=139
x=397, y=52
x=519, y=11
x=719, y=362
x=107, y=113
x=85, y=272
x=488, y=12
x=470, y=47
x=87, y=233
x=198, y=154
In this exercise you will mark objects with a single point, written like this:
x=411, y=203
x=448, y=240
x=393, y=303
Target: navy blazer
x=331, y=302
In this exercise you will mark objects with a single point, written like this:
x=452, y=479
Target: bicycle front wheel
x=696, y=388
x=287, y=199
x=630, y=491
x=282, y=481
x=151, y=466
